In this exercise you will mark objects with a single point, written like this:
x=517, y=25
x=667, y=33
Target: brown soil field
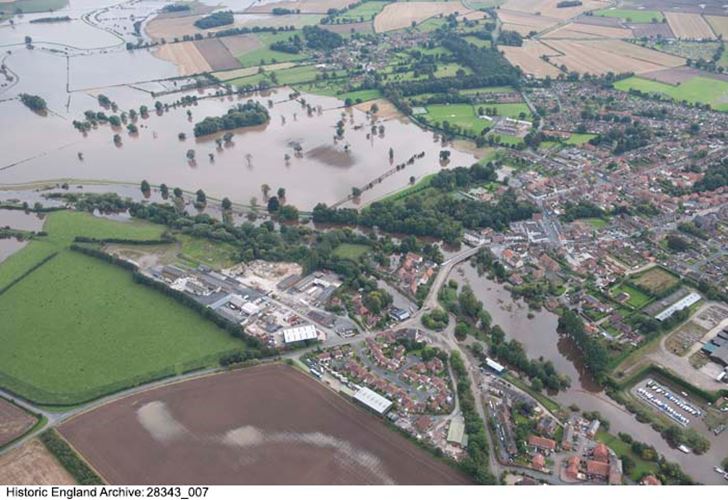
x=239, y=73
x=652, y=30
x=528, y=58
x=582, y=31
x=397, y=16
x=712, y=7
x=32, y=464
x=548, y=8
x=14, y=422
x=676, y=76
x=602, y=56
x=269, y=424
x=599, y=21
x=689, y=26
x=524, y=23
x=305, y=6
x=185, y=56
x=216, y=54
x=719, y=25
x=656, y=280
x=170, y=27
x=241, y=44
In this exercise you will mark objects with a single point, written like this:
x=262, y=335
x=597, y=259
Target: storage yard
x=212, y=431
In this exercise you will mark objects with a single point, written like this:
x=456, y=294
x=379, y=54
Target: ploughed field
x=14, y=422
x=264, y=425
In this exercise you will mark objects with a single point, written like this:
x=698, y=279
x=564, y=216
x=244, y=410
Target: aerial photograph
x=466, y=243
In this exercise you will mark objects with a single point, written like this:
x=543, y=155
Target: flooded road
x=540, y=339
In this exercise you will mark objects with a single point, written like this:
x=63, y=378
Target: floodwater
x=17, y=219
x=540, y=339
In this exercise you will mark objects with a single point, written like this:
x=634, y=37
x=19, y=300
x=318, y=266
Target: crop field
x=216, y=54
x=396, y=16
x=689, y=26
x=269, y=424
x=99, y=330
x=14, y=422
x=528, y=58
x=241, y=44
x=602, y=56
x=305, y=6
x=32, y=464
x=361, y=13
x=548, y=8
x=350, y=251
x=656, y=280
x=633, y=16
x=580, y=31
x=184, y=55
x=523, y=22
x=696, y=90
x=719, y=25
x=287, y=76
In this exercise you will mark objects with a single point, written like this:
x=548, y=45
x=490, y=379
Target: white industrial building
x=375, y=402
x=299, y=334
x=681, y=304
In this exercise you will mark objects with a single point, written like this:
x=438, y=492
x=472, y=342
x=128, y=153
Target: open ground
x=401, y=15
x=33, y=464
x=264, y=425
x=14, y=422
x=689, y=26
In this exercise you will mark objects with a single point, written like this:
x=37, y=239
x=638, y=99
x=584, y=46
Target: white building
x=299, y=334
x=379, y=404
x=681, y=304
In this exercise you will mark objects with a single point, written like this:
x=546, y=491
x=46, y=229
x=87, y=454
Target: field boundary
x=27, y=273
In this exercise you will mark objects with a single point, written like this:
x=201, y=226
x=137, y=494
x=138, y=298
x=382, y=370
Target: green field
x=417, y=187
x=696, y=90
x=511, y=109
x=485, y=90
x=595, y=222
x=463, y=115
x=478, y=42
x=217, y=255
x=350, y=251
x=576, y=139
x=30, y=6
x=633, y=16
x=77, y=327
x=264, y=55
x=288, y=76
x=361, y=13
x=637, y=298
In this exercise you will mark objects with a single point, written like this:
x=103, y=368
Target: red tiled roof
x=597, y=468
x=542, y=442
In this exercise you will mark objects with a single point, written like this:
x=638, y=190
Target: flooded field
x=540, y=338
x=17, y=219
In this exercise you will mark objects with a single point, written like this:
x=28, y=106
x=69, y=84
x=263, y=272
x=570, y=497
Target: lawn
x=217, y=255
x=633, y=16
x=265, y=55
x=637, y=298
x=350, y=251
x=641, y=468
x=696, y=90
x=288, y=76
x=76, y=327
x=595, y=222
x=511, y=110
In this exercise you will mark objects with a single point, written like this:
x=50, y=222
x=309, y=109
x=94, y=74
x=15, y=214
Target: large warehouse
x=299, y=334
x=375, y=402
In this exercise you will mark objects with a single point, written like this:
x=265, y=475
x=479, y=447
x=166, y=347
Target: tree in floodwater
x=265, y=189
x=273, y=204
x=200, y=199
x=281, y=192
x=34, y=102
x=164, y=190
x=226, y=203
x=146, y=188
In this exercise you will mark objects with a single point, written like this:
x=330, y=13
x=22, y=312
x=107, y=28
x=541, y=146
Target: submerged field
x=696, y=90
x=265, y=425
x=95, y=330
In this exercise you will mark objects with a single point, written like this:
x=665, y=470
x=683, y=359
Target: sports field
x=632, y=16
x=463, y=115
x=95, y=330
x=696, y=90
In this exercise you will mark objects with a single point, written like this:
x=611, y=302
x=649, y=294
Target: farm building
x=375, y=402
x=299, y=334
x=681, y=304
x=495, y=366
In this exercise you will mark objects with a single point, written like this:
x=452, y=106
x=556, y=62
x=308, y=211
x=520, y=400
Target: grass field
x=418, y=186
x=265, y=55
x=595, y=222
x=463, y=115
x=288, y=76
x=511, y=109
x=363, y=12
x=632, y=16
x=350, y=251
x=637, y=298
x=696, y=90
x=78, y=327
x=30, y=6
x=656, y=280
x=217, y=255
x=576, y=139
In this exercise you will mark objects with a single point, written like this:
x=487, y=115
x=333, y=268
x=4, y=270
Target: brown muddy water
x=540, y=339
x=17, y=219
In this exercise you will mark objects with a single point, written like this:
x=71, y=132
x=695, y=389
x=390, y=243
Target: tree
x=34, y=102
x=355, y=192
x=374, y=109
x=226, y=203
x=265, y=188
x=201, y=198
x=146, y=188
x=391, y=154
x=164, y=190
x=412, y=179
x=273, y=204
x=281, y=192
x=177, y=192
x=676, y=243
x=288, y=213
x=444, y=155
